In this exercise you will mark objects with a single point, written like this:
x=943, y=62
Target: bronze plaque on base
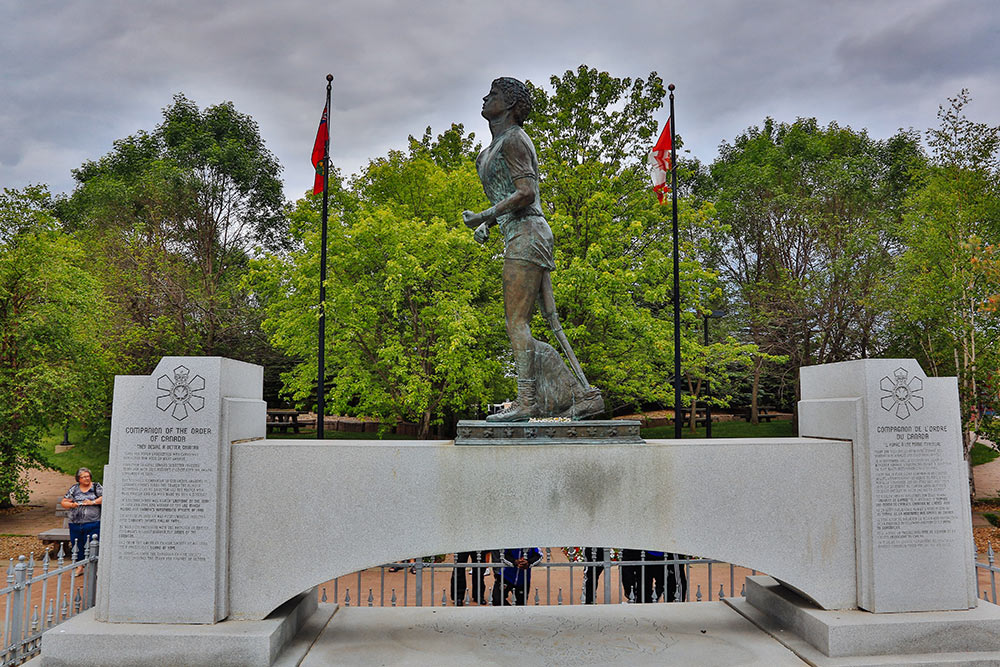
x=542, y=432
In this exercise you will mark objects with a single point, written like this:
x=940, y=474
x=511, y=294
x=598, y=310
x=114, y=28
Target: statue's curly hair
x=516, y=93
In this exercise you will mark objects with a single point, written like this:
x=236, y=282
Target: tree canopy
x=945, y=281
x=813, y=218
x=174, y=214
x=53, y=366
x=819, y=242
x=413, y=325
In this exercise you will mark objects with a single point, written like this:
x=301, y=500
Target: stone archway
x=303, y=512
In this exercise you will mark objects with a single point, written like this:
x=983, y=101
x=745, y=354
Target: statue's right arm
x=474, y=220
x=518, y=155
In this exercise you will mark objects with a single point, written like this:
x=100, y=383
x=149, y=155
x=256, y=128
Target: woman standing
x=84, y=499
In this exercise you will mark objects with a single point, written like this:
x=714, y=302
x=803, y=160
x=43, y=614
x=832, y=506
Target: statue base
x=594, y=432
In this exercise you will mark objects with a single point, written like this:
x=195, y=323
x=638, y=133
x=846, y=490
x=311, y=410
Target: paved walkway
x=685, y=634
x=47, y=488
x=987, y=478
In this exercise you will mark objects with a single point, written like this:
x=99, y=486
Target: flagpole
x=677, y=271
x=321, y=362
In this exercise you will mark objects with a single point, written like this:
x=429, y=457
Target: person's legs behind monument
x=478, y=578
x=592, y=573
x=79, y=535
x=676, y=579
x=631, y=575
x=521, y=589
x=458, y=583
x=497, y=593
x=638, y=580
x=652, y=577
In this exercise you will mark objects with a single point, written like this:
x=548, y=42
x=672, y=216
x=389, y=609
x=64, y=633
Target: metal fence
x=986, y=574
x=427, y=582
x=41, y=595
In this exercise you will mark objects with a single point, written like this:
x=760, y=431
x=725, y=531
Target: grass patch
x=90, y=450
x=729, y=429
x=91, y=446
x=992, y=518
x=338, y=435
x=982, y=454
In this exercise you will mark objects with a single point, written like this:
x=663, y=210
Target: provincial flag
x=319, y=152
x=659, y=163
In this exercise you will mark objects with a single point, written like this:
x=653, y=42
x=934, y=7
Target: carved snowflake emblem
x=900, y=393
x=181, y=393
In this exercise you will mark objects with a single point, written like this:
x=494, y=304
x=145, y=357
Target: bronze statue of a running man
x=508, y=169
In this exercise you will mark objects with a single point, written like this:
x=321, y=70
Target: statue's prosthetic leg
x=524, y=285
x=589, y=402
x=547, y=303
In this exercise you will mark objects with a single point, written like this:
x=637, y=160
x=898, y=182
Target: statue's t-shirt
x=526, y=233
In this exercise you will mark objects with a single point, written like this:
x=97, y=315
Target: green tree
x=415, y=308
x=812, y=215
x=174, y=213
x=613, y=278
x=946, y=279
x=414, y=322
x=52, y=317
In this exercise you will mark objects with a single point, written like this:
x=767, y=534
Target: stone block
x=83, y=641
x=902, y=638
x=388, y=500
x=911, y=490
x=166, y=510
x=694, y=633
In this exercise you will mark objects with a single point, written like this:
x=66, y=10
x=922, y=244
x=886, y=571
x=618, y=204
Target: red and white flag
x=659, y=163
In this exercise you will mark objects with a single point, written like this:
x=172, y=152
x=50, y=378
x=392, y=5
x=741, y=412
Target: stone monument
x=912, y=486
x=168, y=488
x=912, y=530
x=212, y=543
x=163, y=572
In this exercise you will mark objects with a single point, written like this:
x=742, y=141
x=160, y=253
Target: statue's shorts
x=529, y=238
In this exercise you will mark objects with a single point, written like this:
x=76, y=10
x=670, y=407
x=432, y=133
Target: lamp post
x=715, y=314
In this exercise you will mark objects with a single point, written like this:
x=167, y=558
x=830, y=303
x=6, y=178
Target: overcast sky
x=78, y=75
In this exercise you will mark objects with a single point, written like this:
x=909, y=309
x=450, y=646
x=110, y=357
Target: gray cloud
x=80, y=75
x=936, y=42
